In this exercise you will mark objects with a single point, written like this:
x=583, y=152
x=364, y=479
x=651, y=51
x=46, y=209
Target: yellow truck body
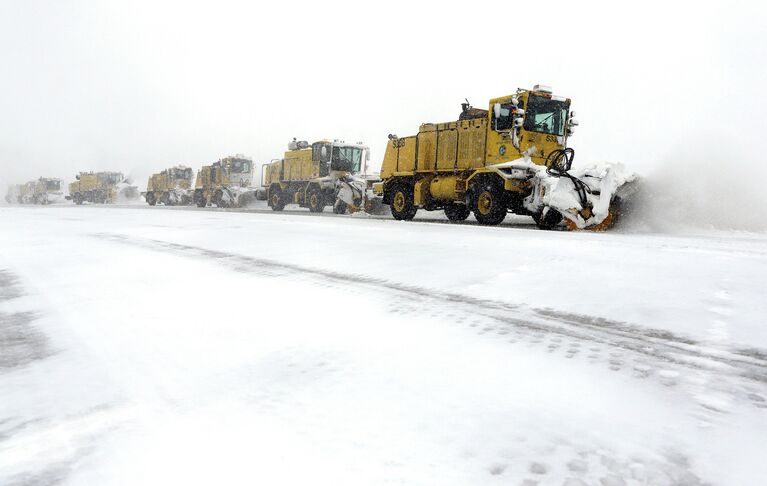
x=225, y=183
x=47, y=190
x=453, y=165
x=100, y=188
x=170, y=187
x=312, y=176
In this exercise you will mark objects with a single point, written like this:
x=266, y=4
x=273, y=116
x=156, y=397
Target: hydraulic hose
x=558, y=163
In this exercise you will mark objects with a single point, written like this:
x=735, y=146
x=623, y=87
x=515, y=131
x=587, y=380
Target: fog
x=139, y=86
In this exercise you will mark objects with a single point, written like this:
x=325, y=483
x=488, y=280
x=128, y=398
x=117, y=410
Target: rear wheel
x=488, y=203
x=315, y=199
x=457, y=212
x=402, y=206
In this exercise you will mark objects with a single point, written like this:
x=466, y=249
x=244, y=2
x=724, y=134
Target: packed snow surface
x=160, y=346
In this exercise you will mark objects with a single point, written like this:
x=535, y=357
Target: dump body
x=325, y=173
x=489, y=162
x=101, y=188
x=225, y=183
x=170, y=187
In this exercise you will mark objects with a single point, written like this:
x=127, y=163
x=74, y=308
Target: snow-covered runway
x=198, y=347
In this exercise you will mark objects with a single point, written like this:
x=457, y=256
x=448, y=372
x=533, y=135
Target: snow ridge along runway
x=199, y=347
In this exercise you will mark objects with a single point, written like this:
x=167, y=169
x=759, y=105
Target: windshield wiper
x=544, y=120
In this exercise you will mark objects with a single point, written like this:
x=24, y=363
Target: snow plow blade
x=590, y=198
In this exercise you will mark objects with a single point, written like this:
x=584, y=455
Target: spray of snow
x=700, y=187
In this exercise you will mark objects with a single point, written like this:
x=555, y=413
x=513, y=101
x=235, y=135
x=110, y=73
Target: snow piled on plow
x=605, y=182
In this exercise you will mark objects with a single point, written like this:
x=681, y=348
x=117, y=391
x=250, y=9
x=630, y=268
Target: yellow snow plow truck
x=45, y=190
x=512, y=157
x=226, y=183
x=322, y=174
x=101, y=188
x=170, y=187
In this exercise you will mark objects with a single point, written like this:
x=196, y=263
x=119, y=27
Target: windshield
x=346, y=159
x=52, y=185
x=110, y=177
x=182, y=173
x=545, y=115
x=240, y=166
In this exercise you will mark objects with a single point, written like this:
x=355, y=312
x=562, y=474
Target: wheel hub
x=485, y=203
x=399, y=202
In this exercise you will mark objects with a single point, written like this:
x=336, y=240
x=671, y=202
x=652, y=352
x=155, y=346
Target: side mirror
x=77, y=177
x=497, y=110
x=367, y=155
x=519, y=112
x=573, y=122
x=518, y=122
x=514, y=101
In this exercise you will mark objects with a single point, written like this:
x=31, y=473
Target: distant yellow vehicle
x=323, y=174
x=170, y=187
x=101, y=188
x=508, y=158
x=226, y=183
x=46, y=190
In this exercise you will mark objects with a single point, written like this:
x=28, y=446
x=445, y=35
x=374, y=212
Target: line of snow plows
x=511, y=158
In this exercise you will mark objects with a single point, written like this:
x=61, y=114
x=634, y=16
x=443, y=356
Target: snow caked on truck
x=512, y=157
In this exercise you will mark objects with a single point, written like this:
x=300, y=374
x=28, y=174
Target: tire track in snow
x=740, y=374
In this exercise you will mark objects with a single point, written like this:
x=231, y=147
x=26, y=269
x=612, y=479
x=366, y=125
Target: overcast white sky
x=140, y=85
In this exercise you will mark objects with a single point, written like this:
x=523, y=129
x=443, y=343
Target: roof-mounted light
x=542, y=88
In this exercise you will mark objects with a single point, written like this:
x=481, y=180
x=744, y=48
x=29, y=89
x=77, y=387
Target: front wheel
x=150, y=198
x=315, y=200
x=340, y=207
x=276, y=200
x=487, y=201
x=457, y=212
x=402, y=206
x=199, y=199
x=548, y=218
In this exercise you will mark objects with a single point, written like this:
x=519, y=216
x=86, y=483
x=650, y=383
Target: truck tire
x=457, y=212
x=549, y=220
x=340, y=207
x=199, y=199
x=151, y=199
x=77, y=198
x=488, y=202
x=277, y=200
x=315, y=199
x=402, y=206
x=218, y=199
